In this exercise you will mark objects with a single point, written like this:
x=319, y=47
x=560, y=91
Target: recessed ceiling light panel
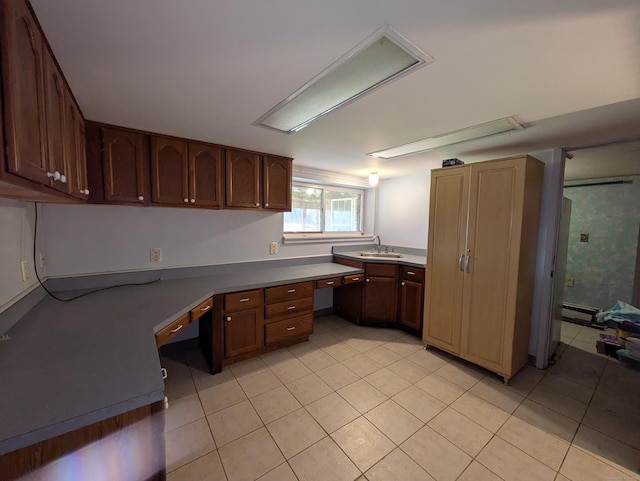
x=383, y=57
x=470, y=133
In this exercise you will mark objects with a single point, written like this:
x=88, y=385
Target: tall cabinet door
x=491, y=282
x=205, y=174
x=242, y=188
x=276, y=183
x=169, y=172
x=446, y=257
x=24, y=93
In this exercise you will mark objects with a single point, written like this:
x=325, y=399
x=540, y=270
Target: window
x=324, y=209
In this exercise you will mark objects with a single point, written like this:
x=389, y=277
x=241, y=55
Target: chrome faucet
x=379, y=242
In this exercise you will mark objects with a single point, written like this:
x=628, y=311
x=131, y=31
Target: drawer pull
x=411, y=273
x=329, y=283
x=205, y=308
x=244, y=299
x=355, y=278
x=173, y=331
x=292, y=328
x=291, y=291
x=291, y=308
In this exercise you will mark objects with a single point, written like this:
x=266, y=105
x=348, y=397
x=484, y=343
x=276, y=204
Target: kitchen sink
x=388, y=255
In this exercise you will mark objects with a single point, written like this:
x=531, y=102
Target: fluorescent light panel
x=470, y=133
x=383, y=57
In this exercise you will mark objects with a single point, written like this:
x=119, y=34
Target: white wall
x=16, y=244
x=402, y=211
x=89, y=239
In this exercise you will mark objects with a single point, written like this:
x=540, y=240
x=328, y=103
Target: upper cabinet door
x=276, y=183
x=24, y=93
x=169, y=172
x=75, y=149
x=125, y=166
x=57, y=125
x=205, y=175
x=243, y=179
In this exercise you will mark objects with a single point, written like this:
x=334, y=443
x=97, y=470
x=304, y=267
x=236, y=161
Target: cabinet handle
x=55, y=175
x=267, y=204
x=467, y=263
x=291, y=290
x=85, y=191
x=173, y=331
x=228, y=318
x=140, y=198
x=329, y=283
x=63, y=178
x=411, y=273
x=186, y=201
x=402, y=283
x=205, y=308
x=163, y=370
x=192, y=201
x=257, y=204
x=460, y=261
x=244, y=299
x=291, y=308
x=355, y=279
x=292, y=328
x=367, y=280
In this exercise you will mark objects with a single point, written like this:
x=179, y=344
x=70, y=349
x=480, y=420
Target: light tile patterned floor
x=359, y=403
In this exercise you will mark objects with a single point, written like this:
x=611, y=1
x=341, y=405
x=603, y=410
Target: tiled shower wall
x=603, y=267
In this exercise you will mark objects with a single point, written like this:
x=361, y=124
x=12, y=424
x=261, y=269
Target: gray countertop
x=410, y=257
x=68, y=365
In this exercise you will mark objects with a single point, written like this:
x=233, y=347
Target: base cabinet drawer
x=163, y=336
x=330, y=282
x=288, y=292
x=239, y=301
x=290, y=308
x=279, y=331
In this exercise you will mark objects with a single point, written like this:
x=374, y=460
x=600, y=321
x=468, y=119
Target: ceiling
x=207, y=69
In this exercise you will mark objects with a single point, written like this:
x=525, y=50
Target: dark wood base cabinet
x=94, y=448
x=390, y=296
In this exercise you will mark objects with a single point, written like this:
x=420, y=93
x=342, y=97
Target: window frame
x=324, y=236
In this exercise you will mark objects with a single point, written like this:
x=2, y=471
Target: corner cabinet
x=254, y=181
x=483, y=231
x=41, y=163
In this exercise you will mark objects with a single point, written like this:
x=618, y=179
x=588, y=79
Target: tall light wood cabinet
x=483, y=231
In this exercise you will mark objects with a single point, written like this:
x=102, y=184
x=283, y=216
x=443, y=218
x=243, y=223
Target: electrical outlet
x=25, y=270
x=570, y=282
x=156, y=254
x=41, y=259
x=273, y=248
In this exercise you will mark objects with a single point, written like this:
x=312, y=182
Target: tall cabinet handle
x=467, y=263
x=460, y=260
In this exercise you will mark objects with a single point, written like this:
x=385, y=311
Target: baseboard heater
x=580, y=314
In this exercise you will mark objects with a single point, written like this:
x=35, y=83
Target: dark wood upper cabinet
x=57, y=125
x=23, y=78
x=125, y=166
x=276, y=183
x=243, y=180
x=206, y=175
x=169, y=172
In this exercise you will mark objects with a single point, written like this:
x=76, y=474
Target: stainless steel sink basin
x=388, y=255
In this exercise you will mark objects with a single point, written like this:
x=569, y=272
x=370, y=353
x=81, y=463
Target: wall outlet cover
x=25, y=270
x=273, y=248
x=570, y=282
x=156, y=254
